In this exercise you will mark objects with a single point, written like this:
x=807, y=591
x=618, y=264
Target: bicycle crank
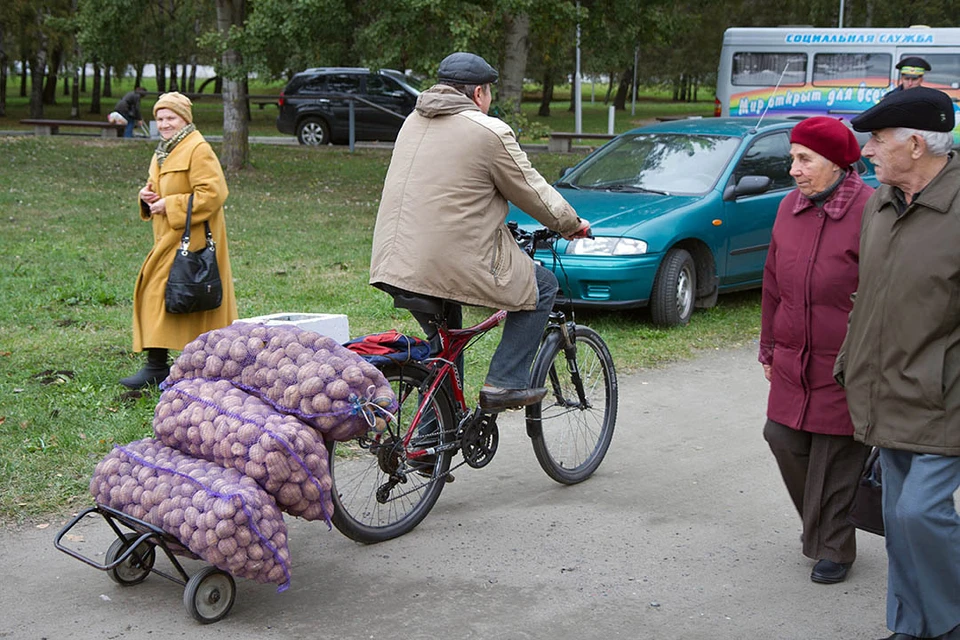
x=480, y=439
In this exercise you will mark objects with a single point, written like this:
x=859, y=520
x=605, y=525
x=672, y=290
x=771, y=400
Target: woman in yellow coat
x=183, y=164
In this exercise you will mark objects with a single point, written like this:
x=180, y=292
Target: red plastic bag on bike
x=389, y=347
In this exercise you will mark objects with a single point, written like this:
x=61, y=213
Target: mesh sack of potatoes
x=219, y=514
x=216, y=421
x=295, y=371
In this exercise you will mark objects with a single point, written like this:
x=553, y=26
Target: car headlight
x=606, y=247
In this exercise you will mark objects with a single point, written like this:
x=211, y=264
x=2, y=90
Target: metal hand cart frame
x=208, y=594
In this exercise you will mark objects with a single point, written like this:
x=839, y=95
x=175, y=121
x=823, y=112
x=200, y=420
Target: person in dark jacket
x=911, y=71
x=900, y=361
x=129, y=107
x=810, y=272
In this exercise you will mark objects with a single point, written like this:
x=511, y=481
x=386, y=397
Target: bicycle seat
x=403, y=299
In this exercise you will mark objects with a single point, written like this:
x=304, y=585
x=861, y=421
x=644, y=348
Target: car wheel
x=313, y=132
x=674, y=290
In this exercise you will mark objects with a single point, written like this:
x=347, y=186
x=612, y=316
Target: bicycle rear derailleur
x=479, y=438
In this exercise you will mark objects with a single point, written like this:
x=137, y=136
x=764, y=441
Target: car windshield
x=655, y=162
x=410, y=81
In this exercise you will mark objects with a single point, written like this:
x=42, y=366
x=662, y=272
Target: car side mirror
x=565, y=171
x=748, y=186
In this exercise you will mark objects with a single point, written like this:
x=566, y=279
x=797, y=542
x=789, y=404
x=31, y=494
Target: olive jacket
x=440, y=228
x=900, y=361
x=192, y=167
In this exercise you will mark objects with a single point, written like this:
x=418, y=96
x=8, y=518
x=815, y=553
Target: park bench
x=563, y=141
x=43, y=127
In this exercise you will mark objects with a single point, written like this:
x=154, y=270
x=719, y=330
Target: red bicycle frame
x=453, y=342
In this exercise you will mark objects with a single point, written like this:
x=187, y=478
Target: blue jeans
x=510, y=365
x=128, y=132
x=923, y=542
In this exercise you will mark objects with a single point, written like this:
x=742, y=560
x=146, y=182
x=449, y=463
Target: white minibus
x=805, y=71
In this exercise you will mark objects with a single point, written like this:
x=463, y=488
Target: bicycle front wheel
x=379, y=492
x=571, y=428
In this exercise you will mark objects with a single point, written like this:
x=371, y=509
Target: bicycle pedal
x=449, y=478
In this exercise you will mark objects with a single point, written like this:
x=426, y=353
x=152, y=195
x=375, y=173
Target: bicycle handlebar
x=530, y=241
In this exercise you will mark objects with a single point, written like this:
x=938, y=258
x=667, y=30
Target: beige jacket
x=192, y=167
x=441, y=228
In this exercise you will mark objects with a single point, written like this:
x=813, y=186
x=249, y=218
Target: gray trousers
x=923, y=542
x=821, y=473
x=510, y=365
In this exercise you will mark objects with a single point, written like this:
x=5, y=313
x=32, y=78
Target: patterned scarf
x=166, y=146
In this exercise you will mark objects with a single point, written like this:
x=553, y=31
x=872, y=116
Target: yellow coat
x=192, y=167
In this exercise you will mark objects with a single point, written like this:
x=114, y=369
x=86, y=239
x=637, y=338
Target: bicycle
x=383, y=489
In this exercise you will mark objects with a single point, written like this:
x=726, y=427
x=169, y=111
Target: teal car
x=680, y=211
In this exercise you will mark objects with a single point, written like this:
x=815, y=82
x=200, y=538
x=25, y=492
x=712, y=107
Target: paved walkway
x=685, y=532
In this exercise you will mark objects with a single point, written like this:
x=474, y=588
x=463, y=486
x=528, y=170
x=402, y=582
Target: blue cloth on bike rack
x=389, y=347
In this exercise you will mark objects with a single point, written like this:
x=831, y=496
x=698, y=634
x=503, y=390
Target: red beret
x=830, y=138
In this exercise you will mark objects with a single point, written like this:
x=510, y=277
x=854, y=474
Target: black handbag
x=194, y=282
x=866, y=512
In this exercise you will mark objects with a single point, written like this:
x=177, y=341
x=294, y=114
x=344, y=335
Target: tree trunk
x=50, y=88
x=547, y=96
x=161, y=78
x=66, y=84
x=24, y=64
x=83, y=77
x=138, y=74
x=107, y=82
x=95, y=97
x=623, y=90
x=3, y=78
x=517, y=41
x=193, y=76
x=236, y=146
x=174, y=84
x=183, y=78
x=37, y=66
x=75, y=95
x=218, y=84
x=611, y=75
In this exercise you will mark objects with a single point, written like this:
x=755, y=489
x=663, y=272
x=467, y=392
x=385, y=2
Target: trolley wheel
x=136, y=567
x=209, y=594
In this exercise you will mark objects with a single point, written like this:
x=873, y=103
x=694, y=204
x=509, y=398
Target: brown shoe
x=495, y=399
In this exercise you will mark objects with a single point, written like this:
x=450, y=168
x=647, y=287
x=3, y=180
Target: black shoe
x=495, y=399
x=830, y=572
x=149, y=375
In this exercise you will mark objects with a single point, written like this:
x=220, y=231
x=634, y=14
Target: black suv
x=315, y=104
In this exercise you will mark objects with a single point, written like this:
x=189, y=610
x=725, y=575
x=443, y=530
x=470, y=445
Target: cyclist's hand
x=582, y=232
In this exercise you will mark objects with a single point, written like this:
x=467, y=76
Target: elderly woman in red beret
x=810, y=272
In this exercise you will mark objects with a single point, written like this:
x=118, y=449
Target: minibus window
x=846, y=69
x=763, y=69
x=944, y=71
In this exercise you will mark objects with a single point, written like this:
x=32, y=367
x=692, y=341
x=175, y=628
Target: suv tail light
x=717, y=107
x=280, y=100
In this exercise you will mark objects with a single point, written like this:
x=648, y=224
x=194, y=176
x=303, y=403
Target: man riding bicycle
x=441, y=231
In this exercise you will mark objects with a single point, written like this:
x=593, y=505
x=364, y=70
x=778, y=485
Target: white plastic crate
x=332, y=325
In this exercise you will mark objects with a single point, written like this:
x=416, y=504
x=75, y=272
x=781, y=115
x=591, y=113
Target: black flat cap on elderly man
x=466, y=68
x=921, y=108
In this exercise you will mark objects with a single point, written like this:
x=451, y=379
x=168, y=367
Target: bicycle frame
x=453, y=343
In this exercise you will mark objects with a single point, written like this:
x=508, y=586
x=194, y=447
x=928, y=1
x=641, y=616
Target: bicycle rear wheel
x=378, y=492
x=571, y=434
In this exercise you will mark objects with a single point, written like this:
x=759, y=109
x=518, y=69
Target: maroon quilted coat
x=811, y=271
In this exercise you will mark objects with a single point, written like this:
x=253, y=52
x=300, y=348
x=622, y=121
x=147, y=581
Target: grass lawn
x=299, y=226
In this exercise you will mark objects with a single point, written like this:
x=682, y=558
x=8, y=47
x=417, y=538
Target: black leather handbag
x=866, y=512
x=194, y=282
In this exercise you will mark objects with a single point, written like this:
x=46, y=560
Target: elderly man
x=900, y=361
x=440, y=228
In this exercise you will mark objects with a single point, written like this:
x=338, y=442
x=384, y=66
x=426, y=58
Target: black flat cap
x=466, y=68
x=921, y=108
x=914, y=61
